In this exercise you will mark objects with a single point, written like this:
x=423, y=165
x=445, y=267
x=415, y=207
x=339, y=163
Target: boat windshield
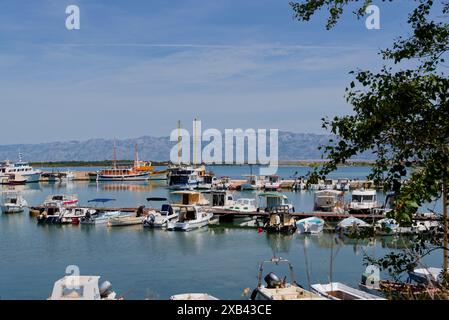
x=363, y=198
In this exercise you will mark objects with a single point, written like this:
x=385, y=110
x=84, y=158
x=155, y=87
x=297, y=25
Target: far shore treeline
x=108, y=163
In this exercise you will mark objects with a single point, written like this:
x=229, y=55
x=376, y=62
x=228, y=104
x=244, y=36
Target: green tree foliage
x=401, y=113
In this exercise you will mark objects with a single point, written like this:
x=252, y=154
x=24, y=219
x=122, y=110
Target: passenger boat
x=273, y=183
x=13, y=202
x=329, y=201
x=277, y=289
x=182, y=178
x=21, y=168
x=190, y=217
x=269, y=200
x=340, y=291
x=312, y=225
x=189, y=197
x=82, y=288
x=280, y=221
x=193, y=296
x=363, y=201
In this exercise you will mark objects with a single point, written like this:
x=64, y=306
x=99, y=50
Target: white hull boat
x=123, y=221
x=340, y=291
x=193, y=296
x=82, y=288
x=312, y=225
x=100, y=218
x=190, y=217
x=13, y=203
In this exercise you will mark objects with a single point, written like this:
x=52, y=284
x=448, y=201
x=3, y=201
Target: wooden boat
x=280, y=221
x=159, y=175
x=276, y=289
x=126, y=220
x=82, y=288
x=189, y=197
x=340, y=291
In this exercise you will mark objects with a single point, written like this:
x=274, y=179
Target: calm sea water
x=140, y=263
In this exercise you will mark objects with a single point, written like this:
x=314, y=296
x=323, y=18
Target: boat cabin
x=271, y=200
x=222, y=199
x=329, y=201
x=188, y=213
x=191, y=198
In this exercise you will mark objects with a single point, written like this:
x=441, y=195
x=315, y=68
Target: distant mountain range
x=292, y=146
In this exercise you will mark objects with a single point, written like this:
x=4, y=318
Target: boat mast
x=136, y=156
x=194, y=142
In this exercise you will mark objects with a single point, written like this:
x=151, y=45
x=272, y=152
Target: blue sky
x=135, y=67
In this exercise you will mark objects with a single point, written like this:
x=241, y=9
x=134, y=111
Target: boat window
x=76, y=292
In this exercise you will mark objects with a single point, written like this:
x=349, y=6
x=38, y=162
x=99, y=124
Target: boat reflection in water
x=144, y=187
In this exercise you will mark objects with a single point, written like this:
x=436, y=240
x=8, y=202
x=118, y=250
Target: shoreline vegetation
x=109, y=163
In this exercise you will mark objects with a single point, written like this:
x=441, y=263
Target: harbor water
x=142, y=263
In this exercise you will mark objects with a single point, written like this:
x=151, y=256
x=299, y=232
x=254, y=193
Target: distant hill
x=292, y=146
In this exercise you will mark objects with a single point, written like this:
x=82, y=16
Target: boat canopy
x=102, y=200
x=364, y=192
x=272, y=195
x=156, y=199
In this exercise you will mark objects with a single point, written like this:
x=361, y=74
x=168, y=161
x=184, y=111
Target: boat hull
x=131, y=177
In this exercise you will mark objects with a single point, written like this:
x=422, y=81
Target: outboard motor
x=272, y=280
x=105, y=289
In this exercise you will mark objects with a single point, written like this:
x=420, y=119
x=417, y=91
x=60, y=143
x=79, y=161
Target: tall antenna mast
x=115, y=155
x=179, y=142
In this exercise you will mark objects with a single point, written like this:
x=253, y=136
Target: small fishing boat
x=13, y=202
x=100, y=217
x=340, y=291
x=273, y=183
x=252, y=183
x=352, y=226
x=125, y=220
x=65, y=216
x=386, y=227
x=244, y=205
x=167, y=214
x=277, y=289
x=280, y=221
x=312, y=225
x=329, y=201
x=82, y=288
x=363, y=201
x=190, y=217
x=193, y=296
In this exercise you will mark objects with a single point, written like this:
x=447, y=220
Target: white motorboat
x=66, y=216
x=430, y=275
x=13, y=202
x=352, y=226
x=193, y=296
x=340, y=291
x=125, y=220
x=363, y=201
x=329, y=201
x=67, y=201
x=312, y=225
x=168, y=214
x=276, y=289
x=386, y=227
x=21, y=168
x=273, y=183
x=253, y=182
x=190, y=217
x=82, y=288
x=100, y=217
